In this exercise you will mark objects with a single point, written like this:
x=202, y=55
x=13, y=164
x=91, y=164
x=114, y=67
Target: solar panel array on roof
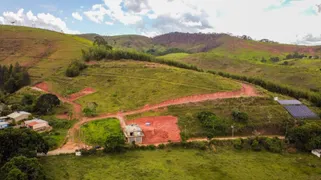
x=301, y=112
x=289, y=102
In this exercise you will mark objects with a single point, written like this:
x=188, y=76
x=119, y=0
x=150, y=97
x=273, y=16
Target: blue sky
x=286, y=21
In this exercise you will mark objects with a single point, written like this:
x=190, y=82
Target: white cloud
x=97, y=13
x=109, y=23
x=41, y=20
x=77, y=16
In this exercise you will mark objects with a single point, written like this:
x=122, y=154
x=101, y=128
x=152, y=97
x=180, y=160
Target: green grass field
x=44, y=52
x=265, y=115
x=185, y=164
x=96, y=132
x=174, y=56
x=127, y=85
x=304, y=74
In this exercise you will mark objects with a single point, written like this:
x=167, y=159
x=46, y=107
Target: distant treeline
x=273, y=87
x=12, y=78
x=155, y=52
x=98, y=53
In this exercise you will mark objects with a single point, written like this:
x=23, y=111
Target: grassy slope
x=185, y=164
x=45, y=52
x=126, y=85
x=96, y=132
x=264, y=115
x=174, y=56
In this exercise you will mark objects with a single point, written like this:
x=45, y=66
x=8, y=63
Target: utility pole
x=232, y=130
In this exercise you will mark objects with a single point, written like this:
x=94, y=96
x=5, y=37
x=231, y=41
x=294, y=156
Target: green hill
x=43, y=52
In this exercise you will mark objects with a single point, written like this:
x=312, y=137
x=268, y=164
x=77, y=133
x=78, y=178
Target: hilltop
x=43, y=52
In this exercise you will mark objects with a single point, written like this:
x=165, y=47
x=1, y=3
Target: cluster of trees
x=42, y=105
x=212, y=124
x=75, y=68
x=18, y=147
x=306, y=137
x=295, y=55
x=274, y=59
x=273, y=87
x=259, y=143
x=13, y=78
x=90, y=110
x=154, y=52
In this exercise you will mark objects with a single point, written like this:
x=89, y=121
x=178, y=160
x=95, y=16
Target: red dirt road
x=84, y=92
x=161, y=129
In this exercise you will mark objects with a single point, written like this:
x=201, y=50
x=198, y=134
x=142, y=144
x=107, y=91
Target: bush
x=238, y=144
x=115, y=143
x=274, y=145
x=75, y=68
x=240, y=116
x=256, y=145
x=45, y=104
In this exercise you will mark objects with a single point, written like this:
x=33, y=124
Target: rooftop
x=133, y=130
x=35, y=121
x=289, y=102
x=17, y=114
x=4, y=123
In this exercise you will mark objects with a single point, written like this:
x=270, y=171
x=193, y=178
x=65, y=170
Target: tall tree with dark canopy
x=15, y=142
x=46, y=103
x=22, y=168
x=13, y=78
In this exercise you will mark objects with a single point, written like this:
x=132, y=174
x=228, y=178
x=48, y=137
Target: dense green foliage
x=274, y=145
x=15, y=142
x=156, y=52
x=12, y=78
x=115, y=143
x=273, y=87
x=306, y=137
x=75, y=68
x=45, y=103
x=22, y=168
x=239, y=116
x=214, y=126
x=296, y=55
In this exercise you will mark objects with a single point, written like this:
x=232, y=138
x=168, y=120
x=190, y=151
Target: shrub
x=45, y=103
x=238, y=144
x=115, y=143
x=256, y=145
x=161, y=146
x=274, y=145
x=75, y=68
x=240, y=116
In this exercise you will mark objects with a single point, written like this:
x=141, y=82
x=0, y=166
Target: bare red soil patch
x=62, y=116
x=161, y=129
x=81, y=93
x=43, y=86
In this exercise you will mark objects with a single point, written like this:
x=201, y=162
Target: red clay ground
x=81, y=93
x=161, y=129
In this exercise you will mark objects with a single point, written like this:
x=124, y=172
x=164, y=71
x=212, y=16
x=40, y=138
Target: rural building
x=316, y=152
x=289, y=102
x=19, y=116
x=4, y=119
x=37, y=125
x=4, y=125
x=134, y=133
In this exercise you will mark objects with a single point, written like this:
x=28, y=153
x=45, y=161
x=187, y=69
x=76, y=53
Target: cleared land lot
x=128, y=85
x=185, y=164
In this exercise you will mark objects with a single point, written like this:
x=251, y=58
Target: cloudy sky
x=286, y=21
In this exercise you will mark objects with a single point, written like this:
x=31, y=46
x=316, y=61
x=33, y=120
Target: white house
x=19, y=116
x=134, y=133
x=4, y=125
x=37, y=125
x=316, y=152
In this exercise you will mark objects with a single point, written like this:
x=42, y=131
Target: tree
x=15, y=142
x=240, y=116
x=115, y=143
x=46, y=103
x=100, y=41
x=22, y=168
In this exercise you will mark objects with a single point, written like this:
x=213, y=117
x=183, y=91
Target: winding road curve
x=70, y=146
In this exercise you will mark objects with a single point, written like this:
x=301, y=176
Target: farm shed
x=19, y=116
x=37, y=125
x=134, y=133
x=4, y=125
x=316, y=152
x=297, y=109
